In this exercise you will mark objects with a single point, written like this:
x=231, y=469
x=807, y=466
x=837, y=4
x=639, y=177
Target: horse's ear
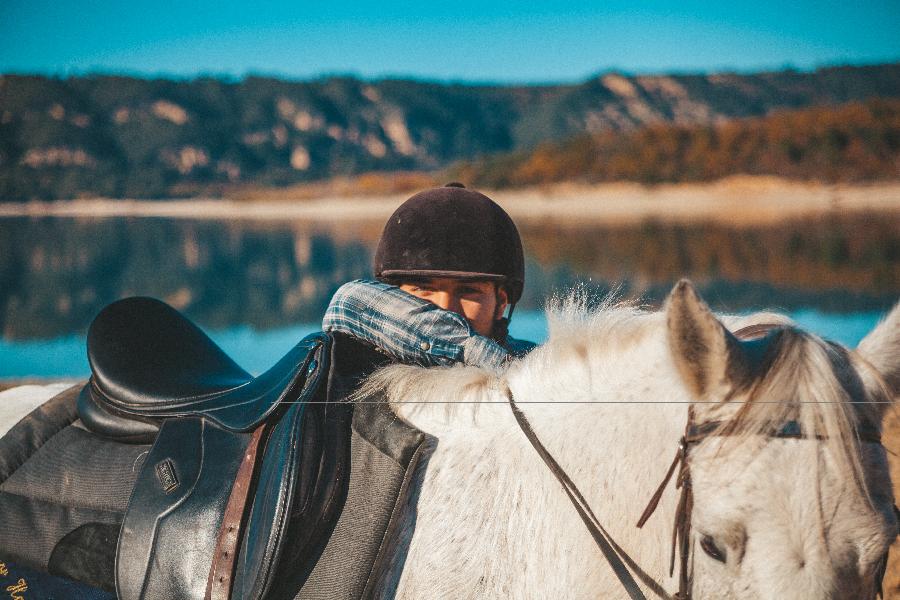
x=881, y=347
x=707, y=355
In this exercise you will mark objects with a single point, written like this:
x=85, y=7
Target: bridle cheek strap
x=682, y=529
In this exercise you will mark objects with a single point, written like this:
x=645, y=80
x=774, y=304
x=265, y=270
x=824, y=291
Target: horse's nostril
x=712, y=550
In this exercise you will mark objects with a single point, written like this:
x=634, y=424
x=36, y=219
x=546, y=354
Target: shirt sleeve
x=408, y=328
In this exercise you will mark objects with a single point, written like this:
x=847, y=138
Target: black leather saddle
x=238, y=464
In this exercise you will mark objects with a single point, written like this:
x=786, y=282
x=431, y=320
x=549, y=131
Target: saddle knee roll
x=99, y=419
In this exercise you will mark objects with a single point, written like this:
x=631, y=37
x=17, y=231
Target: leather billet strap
x=221, y=574
x=607, y=546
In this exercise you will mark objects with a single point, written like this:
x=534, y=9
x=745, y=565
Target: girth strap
x=221, y=575
x=601, y=537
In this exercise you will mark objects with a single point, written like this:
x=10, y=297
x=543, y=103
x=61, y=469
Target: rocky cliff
x=129, y=137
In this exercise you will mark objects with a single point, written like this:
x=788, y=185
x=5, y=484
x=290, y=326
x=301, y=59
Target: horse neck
x=588, y=403
x=619, y=443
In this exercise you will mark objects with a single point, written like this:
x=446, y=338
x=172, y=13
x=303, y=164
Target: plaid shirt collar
x=411, y=329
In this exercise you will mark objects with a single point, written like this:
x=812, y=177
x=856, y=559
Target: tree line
x=857, y=141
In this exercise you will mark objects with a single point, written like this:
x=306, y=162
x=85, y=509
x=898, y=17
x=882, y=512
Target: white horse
x=609, y=396
x=17, y=402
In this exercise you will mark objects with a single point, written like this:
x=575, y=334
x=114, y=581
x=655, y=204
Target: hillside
x=128, y=137
x=858, y=141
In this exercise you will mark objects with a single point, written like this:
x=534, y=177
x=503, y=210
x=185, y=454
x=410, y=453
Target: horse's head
x=791, y=492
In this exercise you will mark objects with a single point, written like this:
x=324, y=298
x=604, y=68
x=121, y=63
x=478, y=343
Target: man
x=449, y=264
x=448, y=267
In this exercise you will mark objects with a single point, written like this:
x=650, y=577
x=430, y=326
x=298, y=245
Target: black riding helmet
x=453, y=232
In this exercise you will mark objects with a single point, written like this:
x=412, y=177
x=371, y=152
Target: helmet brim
x=438, y=274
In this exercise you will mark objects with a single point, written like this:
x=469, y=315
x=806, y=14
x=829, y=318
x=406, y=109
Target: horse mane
x=803, y=378
x=575, y=321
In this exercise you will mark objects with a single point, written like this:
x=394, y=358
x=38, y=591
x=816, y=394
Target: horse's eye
x=709, y=546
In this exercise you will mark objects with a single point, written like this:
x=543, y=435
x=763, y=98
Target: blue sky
x=496, y=40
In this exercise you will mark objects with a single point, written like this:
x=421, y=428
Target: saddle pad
x=64, y=490
x=385, y=453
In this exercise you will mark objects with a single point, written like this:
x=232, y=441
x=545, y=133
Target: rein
x=607, y=546
x=681, y=531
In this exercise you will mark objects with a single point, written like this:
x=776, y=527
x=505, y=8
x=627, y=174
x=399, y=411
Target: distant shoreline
x=738, y=200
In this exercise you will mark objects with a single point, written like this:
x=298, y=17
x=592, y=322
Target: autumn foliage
x=859, y=141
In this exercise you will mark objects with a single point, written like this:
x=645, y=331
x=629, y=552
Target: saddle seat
x=150, y=363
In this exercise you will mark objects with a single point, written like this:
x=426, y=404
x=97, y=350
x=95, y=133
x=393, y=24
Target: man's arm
x=408, y=328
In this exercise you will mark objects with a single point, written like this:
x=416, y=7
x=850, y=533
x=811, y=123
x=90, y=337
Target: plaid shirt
x=411, y=329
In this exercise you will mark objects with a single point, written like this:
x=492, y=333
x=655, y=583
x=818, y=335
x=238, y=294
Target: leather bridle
x=618, y=559
x=681, y=531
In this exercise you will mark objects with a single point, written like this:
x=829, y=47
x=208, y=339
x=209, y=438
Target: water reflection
x=837, y=263
x=56, y=273
x=256, y=351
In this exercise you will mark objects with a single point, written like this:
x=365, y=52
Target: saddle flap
x=275, y=498
x=168, y=535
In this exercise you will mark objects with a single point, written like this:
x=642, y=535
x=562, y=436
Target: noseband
x=681, y=531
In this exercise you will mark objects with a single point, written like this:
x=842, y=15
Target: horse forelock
x=811, y=382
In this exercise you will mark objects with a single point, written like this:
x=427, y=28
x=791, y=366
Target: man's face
x=480, y=302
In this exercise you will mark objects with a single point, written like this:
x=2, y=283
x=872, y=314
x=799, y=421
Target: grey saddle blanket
x=64, y=491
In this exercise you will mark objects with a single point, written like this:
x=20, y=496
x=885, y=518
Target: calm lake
x=257, y=287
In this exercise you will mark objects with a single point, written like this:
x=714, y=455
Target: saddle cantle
x=148, y=362
x=238, y=464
